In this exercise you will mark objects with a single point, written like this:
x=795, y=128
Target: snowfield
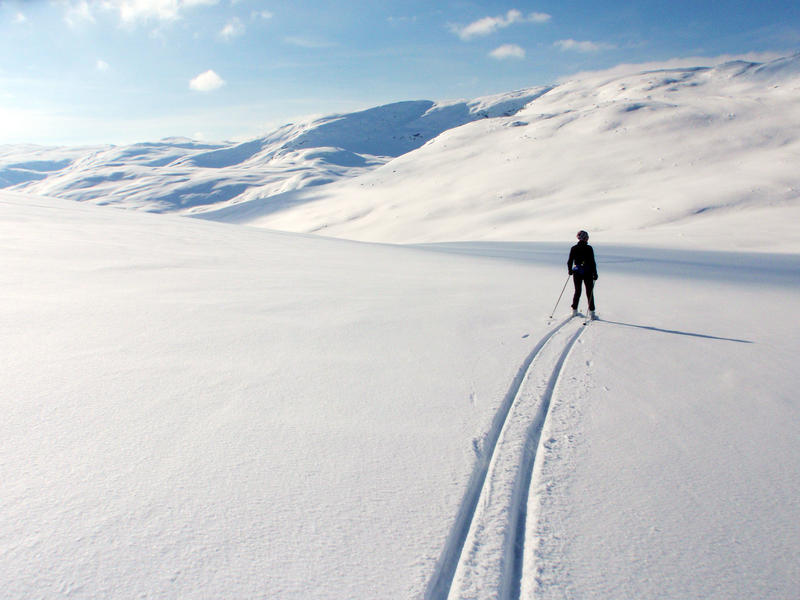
x=193, y=408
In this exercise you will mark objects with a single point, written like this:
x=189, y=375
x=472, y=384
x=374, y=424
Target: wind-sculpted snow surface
x=198, y=410
x=178, y=175
x=194, y=410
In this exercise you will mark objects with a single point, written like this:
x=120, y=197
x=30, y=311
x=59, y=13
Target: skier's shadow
x=675, y=332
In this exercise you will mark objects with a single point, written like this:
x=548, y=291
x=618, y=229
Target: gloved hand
x=594, y=276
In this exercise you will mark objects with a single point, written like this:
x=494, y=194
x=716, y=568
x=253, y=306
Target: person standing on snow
x=583, y=268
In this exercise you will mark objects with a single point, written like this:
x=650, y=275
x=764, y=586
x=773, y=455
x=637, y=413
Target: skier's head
x=583, y=236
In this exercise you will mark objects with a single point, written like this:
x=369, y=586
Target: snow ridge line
x=442, y=580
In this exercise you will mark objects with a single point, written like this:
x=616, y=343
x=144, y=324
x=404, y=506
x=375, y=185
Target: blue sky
x=120, y=71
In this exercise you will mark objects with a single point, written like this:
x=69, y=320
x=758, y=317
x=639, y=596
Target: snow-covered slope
x=677, y=156
x=198, y=410
x=704, y=157
x=23, y=163
x=178, y=175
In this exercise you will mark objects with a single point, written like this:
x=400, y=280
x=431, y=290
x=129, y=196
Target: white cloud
x=207, y=82
x=307, y=42
x=539, y=17
x=261, y=14
x=585, y=46
x=401, y=20
x=234, y=28
x=102, y=65
x=507, y=51
x=78, y=12
x=20, y=18
x=131, y=11
x=486, y=25
x=489, y=25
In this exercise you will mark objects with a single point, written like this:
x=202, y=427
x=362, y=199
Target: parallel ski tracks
x=483, y=555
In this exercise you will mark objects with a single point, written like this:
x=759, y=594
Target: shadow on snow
x=676, y=332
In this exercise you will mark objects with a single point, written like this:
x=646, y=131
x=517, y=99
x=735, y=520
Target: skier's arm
x=570, y=260
x=594, y=263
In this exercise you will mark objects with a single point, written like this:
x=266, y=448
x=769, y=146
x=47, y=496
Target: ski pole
x=559, y=296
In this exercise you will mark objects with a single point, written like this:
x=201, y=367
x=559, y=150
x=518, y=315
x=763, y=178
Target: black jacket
x=581, y=254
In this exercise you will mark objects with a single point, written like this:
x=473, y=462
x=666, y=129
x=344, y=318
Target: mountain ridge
x=680, y=152
x=176, y=174
x=688, y=156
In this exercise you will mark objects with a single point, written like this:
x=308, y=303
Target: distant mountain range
x=634, y=151
x=178, y=175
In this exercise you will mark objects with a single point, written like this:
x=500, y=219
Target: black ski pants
x=589, y=283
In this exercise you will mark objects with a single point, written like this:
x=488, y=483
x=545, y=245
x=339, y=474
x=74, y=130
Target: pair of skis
x=586, y=318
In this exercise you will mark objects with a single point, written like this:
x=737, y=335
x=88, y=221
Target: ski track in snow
x=483, y=556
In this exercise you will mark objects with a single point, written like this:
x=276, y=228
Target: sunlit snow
x=201, y=409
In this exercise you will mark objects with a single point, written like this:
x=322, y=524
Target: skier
x=583, y=268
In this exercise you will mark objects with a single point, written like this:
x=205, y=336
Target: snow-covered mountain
x=179, y=175
x=679, y=156
x=676, y=155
